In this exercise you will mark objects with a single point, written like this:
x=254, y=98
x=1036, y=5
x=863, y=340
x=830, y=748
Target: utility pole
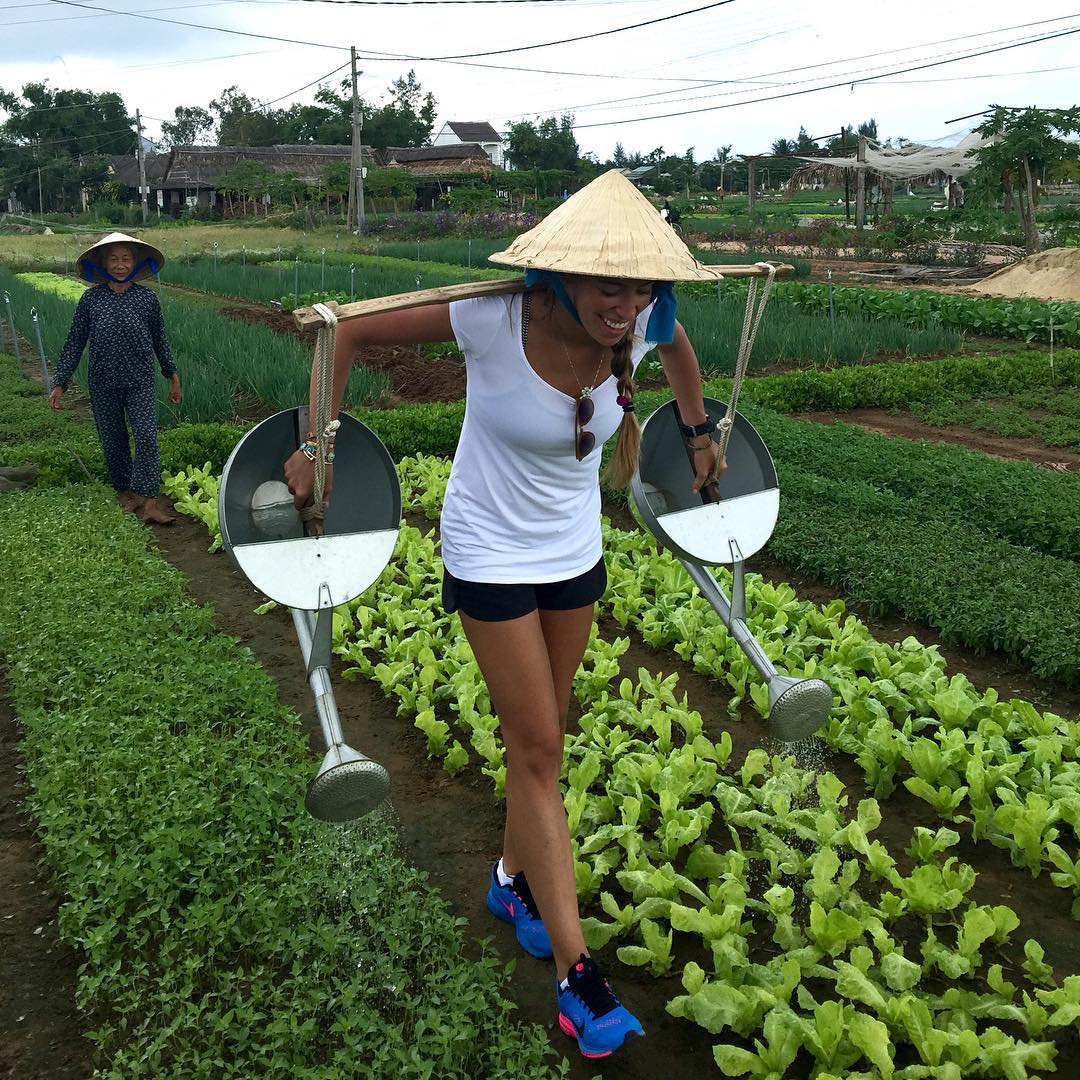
x=751, y=182
x=860, y=184
x=40, y=204
x=847, y=176
x=356, y=214
x=142, y=164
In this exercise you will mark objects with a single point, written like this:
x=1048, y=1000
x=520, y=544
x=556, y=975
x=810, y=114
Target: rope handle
x=323, y=427
x=755, y=309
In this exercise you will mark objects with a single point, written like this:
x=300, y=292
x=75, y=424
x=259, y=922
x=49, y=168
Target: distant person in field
x=121, y=320
x=550, y=379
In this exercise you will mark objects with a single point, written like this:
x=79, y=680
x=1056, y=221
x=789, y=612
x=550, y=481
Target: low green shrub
x=224, y=933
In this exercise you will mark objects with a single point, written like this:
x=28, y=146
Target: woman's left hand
x=707, y=462
x=176, y=394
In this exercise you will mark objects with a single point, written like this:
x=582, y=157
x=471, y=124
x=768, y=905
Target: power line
x=340, y=67
x=861, y=75
x=377, y=56
x=830, y=86
x=169, y=7
x=805, y=67
x=201, y=26
x=74, y=138
x=586, y=37
x=995, y=75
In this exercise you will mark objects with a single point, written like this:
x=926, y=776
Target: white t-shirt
x=519, y=506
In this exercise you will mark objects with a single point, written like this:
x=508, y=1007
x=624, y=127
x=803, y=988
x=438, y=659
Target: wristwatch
x=689, y=431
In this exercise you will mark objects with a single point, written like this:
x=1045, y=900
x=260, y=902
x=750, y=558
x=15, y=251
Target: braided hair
x=624, y=461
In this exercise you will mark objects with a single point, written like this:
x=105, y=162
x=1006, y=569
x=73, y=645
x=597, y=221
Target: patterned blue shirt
x=125, y=331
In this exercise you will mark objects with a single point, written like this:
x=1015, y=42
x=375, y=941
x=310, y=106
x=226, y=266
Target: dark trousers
x=115, y=409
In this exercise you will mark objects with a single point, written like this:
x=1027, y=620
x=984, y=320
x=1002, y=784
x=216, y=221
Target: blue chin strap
x=92, y=272
x=661, y=328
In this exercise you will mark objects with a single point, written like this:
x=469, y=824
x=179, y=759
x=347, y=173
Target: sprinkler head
x=347, y=786
x=797, y=707
x=273, y=512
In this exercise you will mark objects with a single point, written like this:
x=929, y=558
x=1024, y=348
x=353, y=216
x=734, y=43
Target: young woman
x=122, y=322
x=550, y=379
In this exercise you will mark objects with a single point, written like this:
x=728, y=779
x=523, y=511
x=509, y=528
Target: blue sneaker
x=590, y=1012
x=514, y=904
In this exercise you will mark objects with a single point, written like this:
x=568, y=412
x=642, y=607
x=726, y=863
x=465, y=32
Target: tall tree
x=50, y=137
x=783, y=147
x=190, y=123
x=328, y=123
x=405, y=120
x=618, y=158
x=548, y=145
x=243, y=122
x=803, y=143
x=1024, y=140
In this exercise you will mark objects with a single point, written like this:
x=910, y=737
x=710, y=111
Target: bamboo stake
x=308, y=320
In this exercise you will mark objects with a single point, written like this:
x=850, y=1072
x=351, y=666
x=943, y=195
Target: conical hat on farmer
x=148, y=259
x=607, y=229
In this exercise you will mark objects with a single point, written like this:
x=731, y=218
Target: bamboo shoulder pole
x=306, y=319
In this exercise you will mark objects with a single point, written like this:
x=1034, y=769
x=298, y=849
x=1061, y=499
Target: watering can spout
x=797, y=707
x=347, y=786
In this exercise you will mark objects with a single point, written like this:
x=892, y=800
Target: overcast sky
x=712, y=64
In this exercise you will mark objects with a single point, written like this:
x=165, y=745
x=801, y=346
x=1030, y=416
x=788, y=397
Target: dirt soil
x=452, y=828
x=40, y=1028
x=414, y=376
x=904, y=425
x=1049, y=275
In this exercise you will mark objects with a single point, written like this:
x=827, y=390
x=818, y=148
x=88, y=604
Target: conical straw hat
x=607, y=229
x=96, y=253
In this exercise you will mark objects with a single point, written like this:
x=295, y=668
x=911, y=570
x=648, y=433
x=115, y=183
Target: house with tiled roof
x=479, y=132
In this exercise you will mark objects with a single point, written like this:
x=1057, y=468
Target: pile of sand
x=1050, y=275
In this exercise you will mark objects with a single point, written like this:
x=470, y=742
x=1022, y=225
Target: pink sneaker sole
x=566, y=1025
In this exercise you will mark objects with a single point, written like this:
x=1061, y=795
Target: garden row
x=1013, y=770
x=222, y=931
x=1023, y=318
x=979, y=548
x=814, y=941
x=1050, y=415
x=712, y=319
x=229, y=368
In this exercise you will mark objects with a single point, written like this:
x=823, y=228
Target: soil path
x=883, y=422
x=40, y=1028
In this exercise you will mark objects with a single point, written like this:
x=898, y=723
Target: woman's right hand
x=300, y=477
x=54, y=398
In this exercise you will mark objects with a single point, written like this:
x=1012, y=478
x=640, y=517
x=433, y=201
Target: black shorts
x=492, y=602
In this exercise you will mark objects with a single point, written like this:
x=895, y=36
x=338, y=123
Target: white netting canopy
x=911, y=162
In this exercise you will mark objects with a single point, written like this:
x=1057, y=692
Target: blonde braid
x=624, y=461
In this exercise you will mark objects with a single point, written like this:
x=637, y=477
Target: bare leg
x=566, y=633
x=531, y=698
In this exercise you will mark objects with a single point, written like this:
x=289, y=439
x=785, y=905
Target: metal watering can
x=725, y=523
x=264, y=536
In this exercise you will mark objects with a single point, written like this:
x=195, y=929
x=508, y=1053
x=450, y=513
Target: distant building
x=481, y=133
x=188, y=176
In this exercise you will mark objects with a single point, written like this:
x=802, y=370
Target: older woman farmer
x=550, y=379
x=122, y=322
